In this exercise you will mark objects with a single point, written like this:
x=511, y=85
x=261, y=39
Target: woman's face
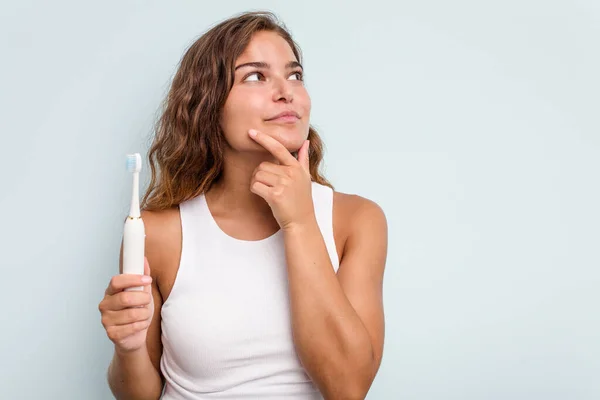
x=268, y=82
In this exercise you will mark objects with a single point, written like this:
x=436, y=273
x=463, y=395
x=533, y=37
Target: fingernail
x=252, y=132
x=146, y=279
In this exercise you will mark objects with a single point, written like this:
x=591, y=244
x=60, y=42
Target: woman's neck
x=231, y=193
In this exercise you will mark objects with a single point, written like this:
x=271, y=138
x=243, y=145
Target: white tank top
x=226, y=328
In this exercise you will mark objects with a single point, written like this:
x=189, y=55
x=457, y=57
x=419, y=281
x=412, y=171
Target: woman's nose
x=282, y=91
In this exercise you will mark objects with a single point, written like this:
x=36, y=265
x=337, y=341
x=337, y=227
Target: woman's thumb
x=147, y=288
x=146, y=267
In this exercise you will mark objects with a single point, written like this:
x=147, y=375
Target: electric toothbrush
x=134, y=234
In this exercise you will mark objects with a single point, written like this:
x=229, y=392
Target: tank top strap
x=323, y=203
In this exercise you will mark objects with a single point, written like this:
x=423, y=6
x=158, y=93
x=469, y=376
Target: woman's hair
x=186, y=155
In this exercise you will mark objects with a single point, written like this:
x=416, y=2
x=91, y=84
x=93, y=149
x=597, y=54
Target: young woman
x=261, y=281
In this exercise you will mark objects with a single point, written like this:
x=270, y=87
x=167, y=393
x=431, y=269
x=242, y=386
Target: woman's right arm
x=132, y=323
x=134, y=374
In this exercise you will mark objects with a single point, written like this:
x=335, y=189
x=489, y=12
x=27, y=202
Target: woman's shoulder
x=359, y=207
x=161, y=224
x=163, y=238
x=355, y=215
x=347, y=203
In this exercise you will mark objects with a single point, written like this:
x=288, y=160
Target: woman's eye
x=251, y=76
x=298, y=75
x=258, y=76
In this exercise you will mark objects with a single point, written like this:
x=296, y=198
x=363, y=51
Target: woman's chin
x=291, y=139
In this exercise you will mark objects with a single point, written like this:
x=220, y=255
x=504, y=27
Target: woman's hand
x=285, y=187
x=126, y=315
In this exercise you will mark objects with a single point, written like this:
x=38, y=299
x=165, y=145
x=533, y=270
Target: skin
x=337, y=319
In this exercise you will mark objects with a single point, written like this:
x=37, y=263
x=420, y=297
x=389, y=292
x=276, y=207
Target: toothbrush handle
x=134, y=237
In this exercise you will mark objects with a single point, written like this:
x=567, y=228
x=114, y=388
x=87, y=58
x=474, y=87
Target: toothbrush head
x=134, y=162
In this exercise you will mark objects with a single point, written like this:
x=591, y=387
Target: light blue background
x=473, y=124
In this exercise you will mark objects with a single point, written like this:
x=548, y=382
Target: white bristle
x=134, y=162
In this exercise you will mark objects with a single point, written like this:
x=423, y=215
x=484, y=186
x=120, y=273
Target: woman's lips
x=285, y=119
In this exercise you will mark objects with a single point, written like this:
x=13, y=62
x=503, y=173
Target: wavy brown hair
x=186, y=155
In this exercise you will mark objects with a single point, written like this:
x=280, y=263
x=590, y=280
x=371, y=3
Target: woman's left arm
x=337, y=319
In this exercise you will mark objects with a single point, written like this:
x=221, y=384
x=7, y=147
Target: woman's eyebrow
x=264, y=65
